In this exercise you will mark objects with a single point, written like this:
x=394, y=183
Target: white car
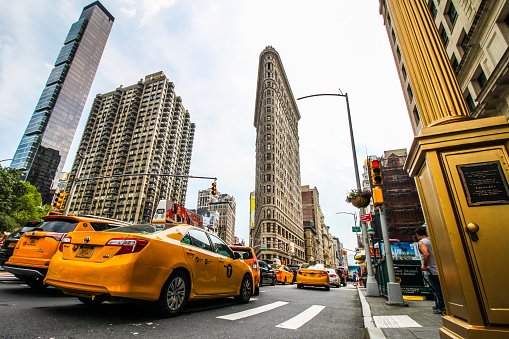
x=334, y=279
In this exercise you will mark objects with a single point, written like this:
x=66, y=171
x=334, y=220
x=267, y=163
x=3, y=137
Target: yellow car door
x=198, y=252
x=230, y=271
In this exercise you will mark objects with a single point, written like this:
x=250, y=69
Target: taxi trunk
x=106, y=263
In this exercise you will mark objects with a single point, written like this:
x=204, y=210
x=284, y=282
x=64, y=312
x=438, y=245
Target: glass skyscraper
x=43, y=149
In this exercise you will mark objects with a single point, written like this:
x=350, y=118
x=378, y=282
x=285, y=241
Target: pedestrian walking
x=354, y=278
x=429, y=267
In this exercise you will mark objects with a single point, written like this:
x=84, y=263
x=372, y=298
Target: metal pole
x=371, y=284
x=394, y=295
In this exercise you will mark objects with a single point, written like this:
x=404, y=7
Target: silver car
x=334, y=279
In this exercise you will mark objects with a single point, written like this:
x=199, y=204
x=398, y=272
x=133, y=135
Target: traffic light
x=378, y=198
x=376, y=172
x=60, y=200
x=214, y=189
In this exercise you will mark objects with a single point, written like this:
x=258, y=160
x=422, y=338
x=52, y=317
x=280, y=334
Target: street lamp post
x=371, y=285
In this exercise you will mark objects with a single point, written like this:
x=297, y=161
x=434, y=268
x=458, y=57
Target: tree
x=19, y=200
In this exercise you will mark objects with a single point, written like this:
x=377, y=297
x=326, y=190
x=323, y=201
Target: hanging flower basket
x=359, y=198
x=361, y=202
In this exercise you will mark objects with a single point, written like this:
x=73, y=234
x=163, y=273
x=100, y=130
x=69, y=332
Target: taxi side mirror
x=236, y=255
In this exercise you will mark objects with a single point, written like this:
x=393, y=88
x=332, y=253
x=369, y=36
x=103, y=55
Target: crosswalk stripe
x=302, y=318
x=254, y=311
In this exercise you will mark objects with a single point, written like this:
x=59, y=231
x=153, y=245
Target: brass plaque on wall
x=484, y=183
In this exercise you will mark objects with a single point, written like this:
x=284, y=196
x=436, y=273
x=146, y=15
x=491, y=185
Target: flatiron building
x=278, y=200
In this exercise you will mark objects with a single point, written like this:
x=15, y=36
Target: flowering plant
x=357, y=193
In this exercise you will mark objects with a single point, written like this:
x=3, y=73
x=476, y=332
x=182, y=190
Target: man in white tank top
x=430, y=268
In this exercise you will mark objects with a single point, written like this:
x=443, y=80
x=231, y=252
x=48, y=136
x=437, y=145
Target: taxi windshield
x=55, y=225
x=142, y=228
x=313, y=266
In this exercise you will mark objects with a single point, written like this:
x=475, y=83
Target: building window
x=454, y=63
x=403, y=70
x=481, y=78
x=410, y=93
x=268, y=127
x=398, y=52
x=433, y=9
x=268, y=118
x=268, y=110
x=417, y=117
x=268, y=100
x=470, y=102
x=452, y=14
x=393, y=36
x=443, y=36
x=268, y=156
x=269, y=65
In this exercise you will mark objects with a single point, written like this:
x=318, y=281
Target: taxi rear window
x=59, y=226
x=142, y=228
x=244, y=254
x=313, y=267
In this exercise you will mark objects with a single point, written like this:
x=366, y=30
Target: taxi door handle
x=190, y=252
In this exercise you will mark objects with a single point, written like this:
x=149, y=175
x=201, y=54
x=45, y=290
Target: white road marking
x=302, y=318
x=253, y=299
x=254, y=311
x=394, y=321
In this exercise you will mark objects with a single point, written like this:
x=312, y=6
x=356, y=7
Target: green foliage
x=19, y=201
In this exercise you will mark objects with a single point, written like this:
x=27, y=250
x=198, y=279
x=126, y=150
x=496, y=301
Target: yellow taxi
x=33, y=251
x=283, y=273
x=247, y=254
x=313, y=275
x=165, y=263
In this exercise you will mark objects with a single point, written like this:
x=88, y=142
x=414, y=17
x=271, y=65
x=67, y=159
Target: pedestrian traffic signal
x=214, y=189
x=59, y=200
x=376, y=172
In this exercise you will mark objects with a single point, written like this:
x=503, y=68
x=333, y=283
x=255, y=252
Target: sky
x=210, y=50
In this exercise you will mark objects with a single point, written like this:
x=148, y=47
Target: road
x=280, y=311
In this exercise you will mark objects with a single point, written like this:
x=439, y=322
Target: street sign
x=356, y=229
x=366, y=217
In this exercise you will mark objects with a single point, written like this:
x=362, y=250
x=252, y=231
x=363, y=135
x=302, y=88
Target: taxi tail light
x=65, y=240
x=324, y=273
x=128, y=245
x=277, y=271
x=56, y=236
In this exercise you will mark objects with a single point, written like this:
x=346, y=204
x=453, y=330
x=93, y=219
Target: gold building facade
x=278, y=212
x=475, y=37
x=131, y=132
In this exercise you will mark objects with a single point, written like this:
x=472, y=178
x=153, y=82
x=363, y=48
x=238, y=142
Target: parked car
x=283, y=274
x=343, y=275
x=313, y=275
x=34, y=250
x=248, y=255
x=294, y=269
x=267, y=274
x=165, y=263
x=334, y=279
x=10, y=242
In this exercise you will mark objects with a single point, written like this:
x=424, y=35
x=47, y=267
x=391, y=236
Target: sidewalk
x=384, y=321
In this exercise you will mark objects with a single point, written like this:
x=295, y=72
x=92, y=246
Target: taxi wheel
x=257, y=290
x=300, y=286
x=96, y=301
x=284, y=282
x=174, y=295
x=327, y=288
x=37, y=283
x=245, y=290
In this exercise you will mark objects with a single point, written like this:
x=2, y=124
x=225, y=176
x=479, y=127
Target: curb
x=371, y=330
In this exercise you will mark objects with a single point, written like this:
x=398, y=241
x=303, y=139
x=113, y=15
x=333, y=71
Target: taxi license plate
x=85, y=252
x=12, y=244
x=32, y=241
